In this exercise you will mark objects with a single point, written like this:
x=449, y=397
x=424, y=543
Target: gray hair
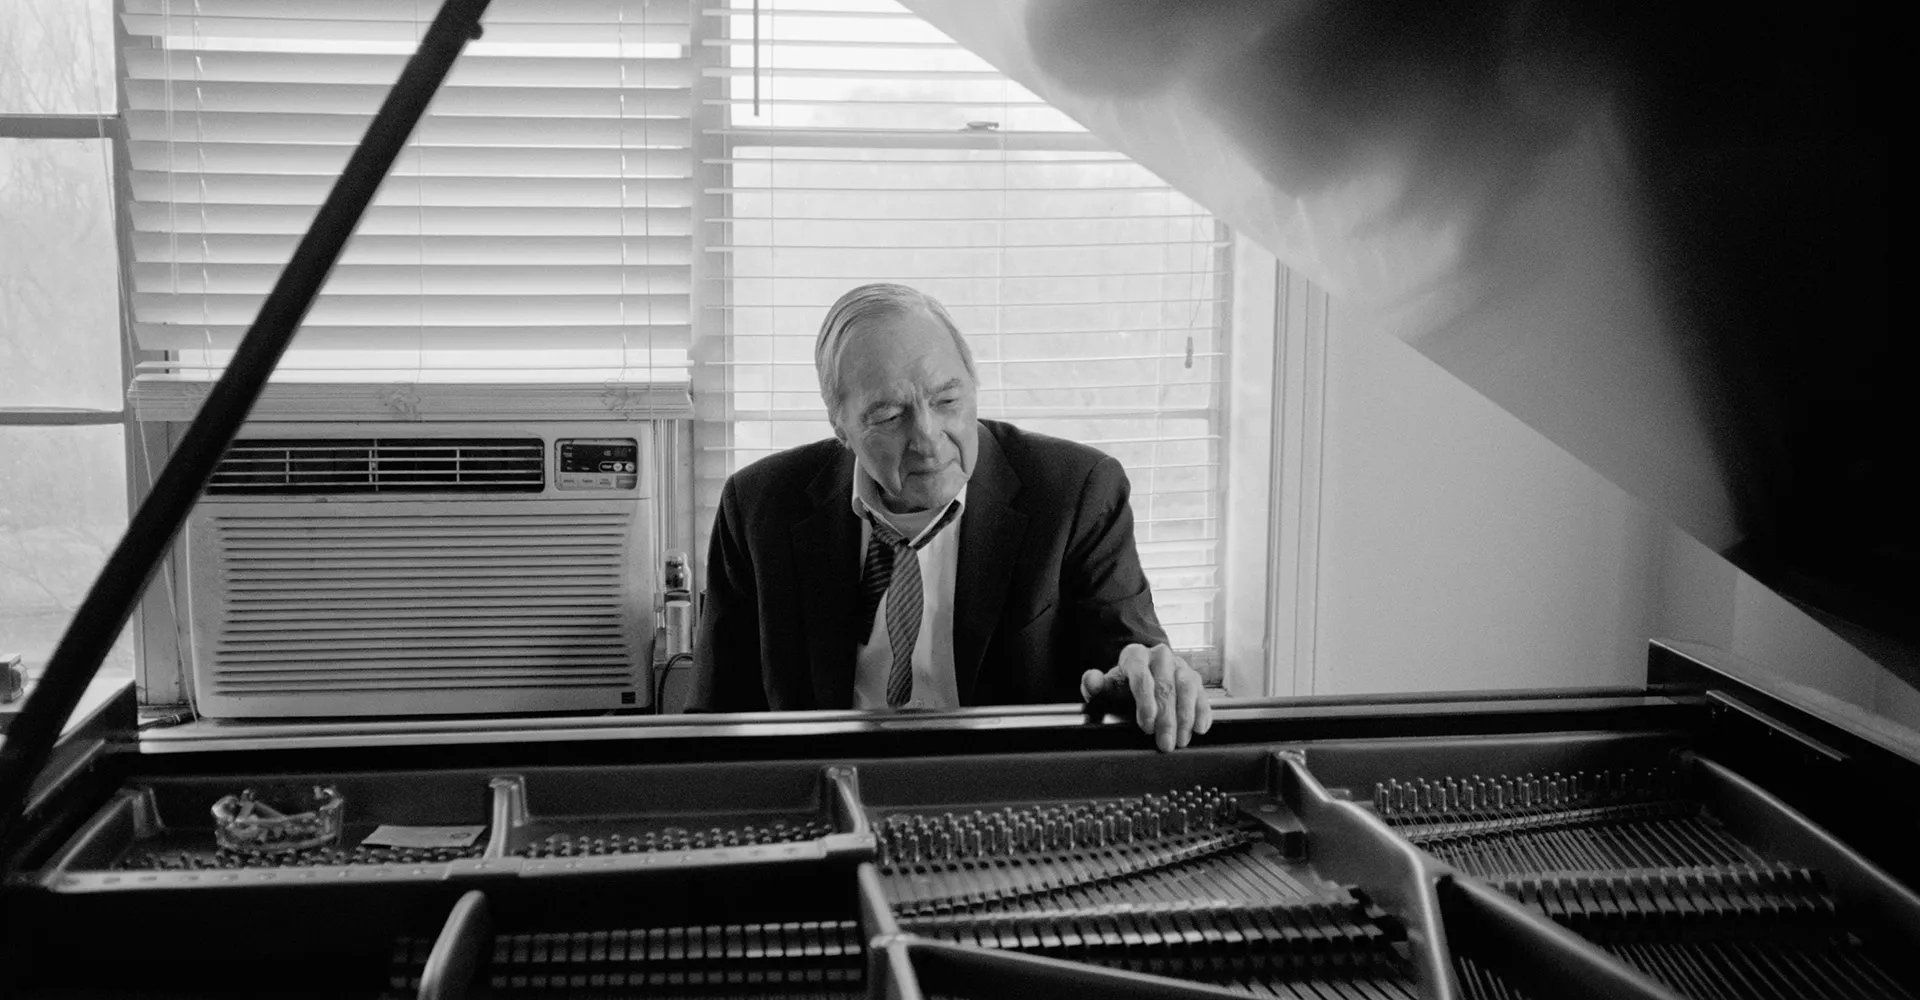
x=869, y=302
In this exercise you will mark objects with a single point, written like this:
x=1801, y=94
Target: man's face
x=909, y=411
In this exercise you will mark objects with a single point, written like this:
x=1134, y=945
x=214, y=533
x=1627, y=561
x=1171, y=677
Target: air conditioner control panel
x=596, y=463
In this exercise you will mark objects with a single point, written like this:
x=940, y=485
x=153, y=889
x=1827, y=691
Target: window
x=62, y=457
x=849, y=141
x=608, y=186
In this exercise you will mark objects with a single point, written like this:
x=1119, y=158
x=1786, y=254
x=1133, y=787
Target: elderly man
x=927, y=559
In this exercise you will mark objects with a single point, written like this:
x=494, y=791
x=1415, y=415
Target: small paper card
x=388, y=835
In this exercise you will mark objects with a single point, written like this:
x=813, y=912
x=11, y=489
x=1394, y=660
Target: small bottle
x=677, y=604
x=13, y=679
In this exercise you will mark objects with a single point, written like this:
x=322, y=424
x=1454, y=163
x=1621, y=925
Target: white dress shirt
x=933, y=683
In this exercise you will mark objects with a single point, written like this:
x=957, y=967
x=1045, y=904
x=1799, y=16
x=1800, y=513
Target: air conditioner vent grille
x=305, y=466
x=414, y=607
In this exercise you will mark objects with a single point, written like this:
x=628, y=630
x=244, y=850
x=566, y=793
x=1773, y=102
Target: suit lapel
x=990, y=534
x=824, y=551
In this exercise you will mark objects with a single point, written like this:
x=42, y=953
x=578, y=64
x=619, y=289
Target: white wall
x=1460, y=550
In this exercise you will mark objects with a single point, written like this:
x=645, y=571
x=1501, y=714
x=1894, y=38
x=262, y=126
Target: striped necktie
x=893, y=569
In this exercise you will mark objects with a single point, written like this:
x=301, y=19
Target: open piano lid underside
x=1659, y=238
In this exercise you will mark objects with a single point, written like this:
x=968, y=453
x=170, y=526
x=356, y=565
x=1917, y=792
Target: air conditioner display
x=597, y=463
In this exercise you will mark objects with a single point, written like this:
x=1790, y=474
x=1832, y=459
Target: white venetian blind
x=544, y=203
x=853, y=142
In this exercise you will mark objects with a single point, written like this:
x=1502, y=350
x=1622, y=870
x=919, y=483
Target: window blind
x=850, y=141
x=543, y=203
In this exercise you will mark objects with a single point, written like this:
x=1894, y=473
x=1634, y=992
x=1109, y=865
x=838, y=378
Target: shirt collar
x=867, y=505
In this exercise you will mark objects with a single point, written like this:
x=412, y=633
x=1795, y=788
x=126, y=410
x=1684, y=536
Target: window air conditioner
x=428, y=568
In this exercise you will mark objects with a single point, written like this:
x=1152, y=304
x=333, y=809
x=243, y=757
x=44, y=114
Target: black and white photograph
x=954, y=500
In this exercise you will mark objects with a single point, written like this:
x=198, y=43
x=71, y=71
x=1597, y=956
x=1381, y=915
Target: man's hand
x=1168, y=699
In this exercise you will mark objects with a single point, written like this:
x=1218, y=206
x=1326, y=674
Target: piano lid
x=1658, y=236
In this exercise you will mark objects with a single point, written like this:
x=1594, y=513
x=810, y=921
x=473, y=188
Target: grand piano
x=1717, y=831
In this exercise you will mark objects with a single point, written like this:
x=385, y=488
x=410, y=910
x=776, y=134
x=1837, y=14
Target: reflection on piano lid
x=1659, y=238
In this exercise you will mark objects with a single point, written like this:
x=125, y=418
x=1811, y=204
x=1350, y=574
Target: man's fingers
x=1134, y=667
x=1146, y=711
x=1092, y=683
x=1166, y=668
x=1170, y=702
x=1189, y=701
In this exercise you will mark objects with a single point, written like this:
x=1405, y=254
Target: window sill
x=57, y=416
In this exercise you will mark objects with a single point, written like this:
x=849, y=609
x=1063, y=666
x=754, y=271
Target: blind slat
x=549, y=335
x=401, y=279
x=183, y=23
x=806, y=337
x=392, y=220
x=188, y=159
x=1009, y=161
x=897, y=103
x=432, y=220
x=223, y=126
x=474, y=68
x=932, y=220
x=978, y=360
x=930, y=188
x=635, y=247
x=433, y=192
x=1172, y=301
x=851, y=14
x=1184, y=244
x=187, y=95
x=791, y=44
x=1030, y=277
x=910, y=139
x=498, y=12
x=333, y=309
x=848, y=73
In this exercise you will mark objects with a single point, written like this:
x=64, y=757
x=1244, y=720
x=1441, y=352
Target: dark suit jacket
x=1048, y=584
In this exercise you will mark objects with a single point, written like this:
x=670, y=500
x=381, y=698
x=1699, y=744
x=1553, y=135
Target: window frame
x=1270, y=566
x=1265, y=314
x=107, y=126
x=107, y=129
